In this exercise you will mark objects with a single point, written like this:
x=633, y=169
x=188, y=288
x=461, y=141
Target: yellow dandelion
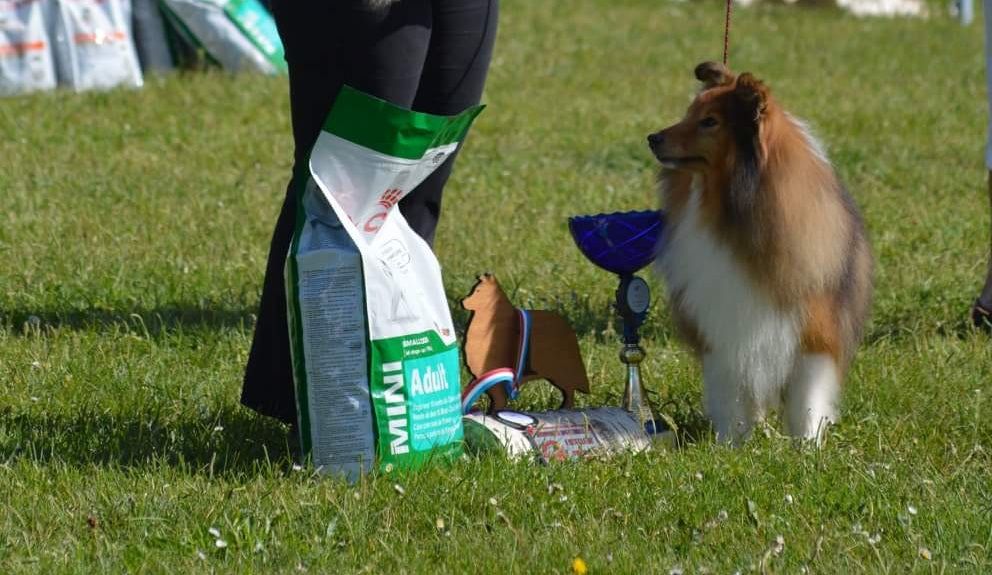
x=579, y=566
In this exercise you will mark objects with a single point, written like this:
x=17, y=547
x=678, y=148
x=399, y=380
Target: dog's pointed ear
x=713, y=74
x=752, y=97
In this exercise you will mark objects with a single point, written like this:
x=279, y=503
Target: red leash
x=726, y=32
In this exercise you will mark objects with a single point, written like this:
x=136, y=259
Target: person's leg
x=327, y=45
x=981, y=313
x=461, y=46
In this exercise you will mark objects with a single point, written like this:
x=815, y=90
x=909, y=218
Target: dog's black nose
x=655, y=139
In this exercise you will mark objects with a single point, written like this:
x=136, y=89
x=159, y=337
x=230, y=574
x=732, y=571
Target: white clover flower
x=779, y=545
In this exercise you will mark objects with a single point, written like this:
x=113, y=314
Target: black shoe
x=981, y=317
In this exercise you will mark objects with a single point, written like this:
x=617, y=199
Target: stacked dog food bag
x=240, y=35
x=100, y=44
x=26, y=63
x=81, y=44
x=376, y=360
x=93, y=44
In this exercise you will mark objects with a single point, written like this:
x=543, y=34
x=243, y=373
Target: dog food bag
x=376, y=361
x=239, y=34
x=150, y=38
x=26, y=63
x=93, y=45
x=559, y=435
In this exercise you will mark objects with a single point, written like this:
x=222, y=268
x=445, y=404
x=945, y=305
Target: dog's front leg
x=724, y=401
x=812, y=396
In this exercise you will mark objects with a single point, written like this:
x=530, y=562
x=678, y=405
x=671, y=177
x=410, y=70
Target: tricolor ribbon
x=508, y=377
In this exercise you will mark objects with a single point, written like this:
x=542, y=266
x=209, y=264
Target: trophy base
x=563, y=434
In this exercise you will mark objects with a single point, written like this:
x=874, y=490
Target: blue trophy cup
x=623, y=243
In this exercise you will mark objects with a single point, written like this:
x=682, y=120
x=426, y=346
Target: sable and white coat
x=766, y=260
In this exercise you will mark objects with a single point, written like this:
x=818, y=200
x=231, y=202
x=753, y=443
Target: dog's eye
x=708, y=122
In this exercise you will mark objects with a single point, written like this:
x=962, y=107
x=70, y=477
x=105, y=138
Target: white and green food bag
x=375, y=356
x=240, y=35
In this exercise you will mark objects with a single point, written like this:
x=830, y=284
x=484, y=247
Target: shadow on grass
x=233, y=441
x=682, y=410
x=153, y=322
x=960, y=329
x=586, y=316
x=581, y=314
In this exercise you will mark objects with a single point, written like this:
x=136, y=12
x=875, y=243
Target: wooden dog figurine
x=492, y=340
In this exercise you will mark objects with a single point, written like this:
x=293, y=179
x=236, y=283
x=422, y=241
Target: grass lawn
x=133, y=238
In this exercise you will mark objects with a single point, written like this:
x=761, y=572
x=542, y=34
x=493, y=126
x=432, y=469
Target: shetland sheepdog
x=765, y=258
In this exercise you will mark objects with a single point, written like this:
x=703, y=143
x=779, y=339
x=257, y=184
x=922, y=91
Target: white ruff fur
x=752, y=345
x=813, y=143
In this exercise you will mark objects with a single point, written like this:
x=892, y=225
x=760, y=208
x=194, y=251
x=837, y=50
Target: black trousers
x=428, y=55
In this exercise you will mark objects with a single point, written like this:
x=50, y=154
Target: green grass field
x=133, y=237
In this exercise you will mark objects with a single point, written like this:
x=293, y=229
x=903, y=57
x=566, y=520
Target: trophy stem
x=632, y=304
x=633, y=394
